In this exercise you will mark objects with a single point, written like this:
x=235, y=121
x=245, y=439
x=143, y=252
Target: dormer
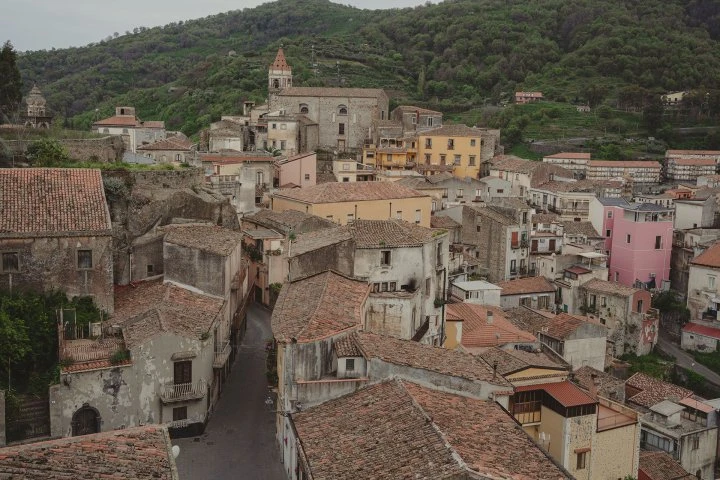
x=350, y=361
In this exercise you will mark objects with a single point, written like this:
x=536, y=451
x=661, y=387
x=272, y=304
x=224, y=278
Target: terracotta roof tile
x=208, y=238
x=280, y=62
x=578, y=270
x=347, y=347
x=653, y=390
x=661, y=466
x=581, y=228
x=318, y=306
x=527, y=319
x=477, y=332
x=692, y=152
x=349, y=192
x=397, y=429
x=624, y=164
x=563, y=325
x=567, y=393
x=289, y=220
x=546, y=218
x=526, y=285
x=119, y=120
x=703, y=330
x=709, y=258
x=608, y=386
x=511, y=361
x=135, y=453
x=689, y=162
x=610, y=288
x=389, y=233
x=52, y=201
x=453, y=131
x=443, y=221
x=144, y=309
x=572, y=155
x=435, y=359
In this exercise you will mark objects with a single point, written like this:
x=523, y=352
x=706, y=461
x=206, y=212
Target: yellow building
x=345, y=202
x=455, y=148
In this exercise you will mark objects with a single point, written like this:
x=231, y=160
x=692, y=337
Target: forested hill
x=453, y=55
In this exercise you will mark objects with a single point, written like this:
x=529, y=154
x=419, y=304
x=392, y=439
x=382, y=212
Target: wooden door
x=85, y=421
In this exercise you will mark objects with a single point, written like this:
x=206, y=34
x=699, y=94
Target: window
x=451, y=144
x=398, y=214
x=457, y=159
x=471, y=160
x=304, y=108
x=350, y=217
x=581, y=461
x=603, y=301
x=182, y=372
x=274, y=126
x=392, y=286
x=513, y=266
x=658, y=242
x=384, y=287
x=385, y=257
x=11, y=262
x=418, y=216
x=711, y=279
x=329, y=217
x=639, y=306
x=472, y=142
x=442, y=159
x=125, y=131
x=695, y=442
x=460, y=192
x=307, y=176
x=430, y=121
x=179, y=413
x=282, y=144
x=84, y=259
x=346, y=166
x=592, y=301
x=349, y=364
x=427, y=286
x=427, y=159
x=608, y=233
x=342, y=110
x=617, y=276
x=628, y=238
x=609, y=215
x=428, y=143
x=341, y=129
x=150, y=270
x=500, y=190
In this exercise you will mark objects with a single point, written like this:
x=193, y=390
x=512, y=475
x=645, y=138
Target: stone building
x=135, y=132
x=177, y=149
x=37, y=115
x=55, y=233
x=343, y=115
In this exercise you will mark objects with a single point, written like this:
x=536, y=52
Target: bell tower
x=279, y=73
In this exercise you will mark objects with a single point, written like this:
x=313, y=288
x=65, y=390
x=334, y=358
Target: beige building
x=176, y=149
x=576, y=162
x=456, y=148
x=349, y=170
x=640, y=171
x=344, y=202
x=522, y=98
x=689, y=169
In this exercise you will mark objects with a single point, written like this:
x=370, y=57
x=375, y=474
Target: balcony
x=222, y=355
x=524, y=243
x=180, y=392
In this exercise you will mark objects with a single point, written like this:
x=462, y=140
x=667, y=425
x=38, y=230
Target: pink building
x=641, y=245
x=603, y=212
x=297, y=171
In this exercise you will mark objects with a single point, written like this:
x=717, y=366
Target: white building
x=476, y=291
x=134, y=132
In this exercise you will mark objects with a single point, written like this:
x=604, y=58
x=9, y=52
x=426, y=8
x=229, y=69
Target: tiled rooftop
x=453, y=363
x=453, y=131
x=709, y=258
x=581, y=228
x=132, y=454
x=349, y=192
x=661, y=466
x=119, y=120
x=389, y=233
x=567, y=393
x=52, y=201
x=527, y=319
x=513, y=164
x=495, y=215
x=613, y=202
x=608, y=386
x=546, y=218
x=289, y=220
x=511, y=361
x=443, y=221
x=398, y=429
x=526, y=285
x=318, y=306
x=208, y=238
x=478, y=333
x=692, y=152
x=704, y=330
x=653, y=390
x=624, y=164
x=148, y=308
x=695, y=162
x=347, y=347
x=563, y=325
x=610, y=288
x=308, y=242
x=570, y=155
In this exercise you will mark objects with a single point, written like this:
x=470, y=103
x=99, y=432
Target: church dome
x=35, y=97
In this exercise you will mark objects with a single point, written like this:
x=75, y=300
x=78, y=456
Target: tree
x=653, y=116
x=10, y=82
x=47, y=152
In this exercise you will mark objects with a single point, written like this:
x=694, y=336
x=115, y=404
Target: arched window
x=304, y=108
x=85, y=421
x=342, y=110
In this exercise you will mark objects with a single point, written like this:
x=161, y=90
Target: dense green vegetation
x=29, y=337
x=652, y=364
x=709, y=359
x=458, y=56
x=10, y=81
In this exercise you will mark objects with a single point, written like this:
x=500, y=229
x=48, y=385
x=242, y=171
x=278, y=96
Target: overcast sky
x=44, y=24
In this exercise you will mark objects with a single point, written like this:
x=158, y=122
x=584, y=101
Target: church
x=345, y=117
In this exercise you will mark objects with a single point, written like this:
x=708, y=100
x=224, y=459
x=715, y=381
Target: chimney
x=495, y=369
x=593, y=385
x=489, y=317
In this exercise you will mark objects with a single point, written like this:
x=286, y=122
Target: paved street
x=238, y=442
x=685, y=360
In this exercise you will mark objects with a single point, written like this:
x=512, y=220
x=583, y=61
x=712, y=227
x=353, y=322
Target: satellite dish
x=175, y=451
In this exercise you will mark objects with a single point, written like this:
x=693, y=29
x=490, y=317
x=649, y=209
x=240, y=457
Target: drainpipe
x=442, y=309
x=390, y=210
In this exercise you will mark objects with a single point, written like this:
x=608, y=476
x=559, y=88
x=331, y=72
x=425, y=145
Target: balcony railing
x=524, y=243
x=222, y=355
x=178, y=392
x=88, y=350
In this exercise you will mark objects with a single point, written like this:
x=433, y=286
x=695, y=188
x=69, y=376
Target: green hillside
x=456, y=56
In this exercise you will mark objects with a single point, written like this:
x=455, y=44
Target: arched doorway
x=85, y=421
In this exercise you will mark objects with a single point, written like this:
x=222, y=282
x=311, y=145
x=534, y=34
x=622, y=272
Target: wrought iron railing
x=176, y=392
x=222, y=355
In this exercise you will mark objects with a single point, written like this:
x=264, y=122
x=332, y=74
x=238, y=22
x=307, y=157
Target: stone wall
x=106, y=149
